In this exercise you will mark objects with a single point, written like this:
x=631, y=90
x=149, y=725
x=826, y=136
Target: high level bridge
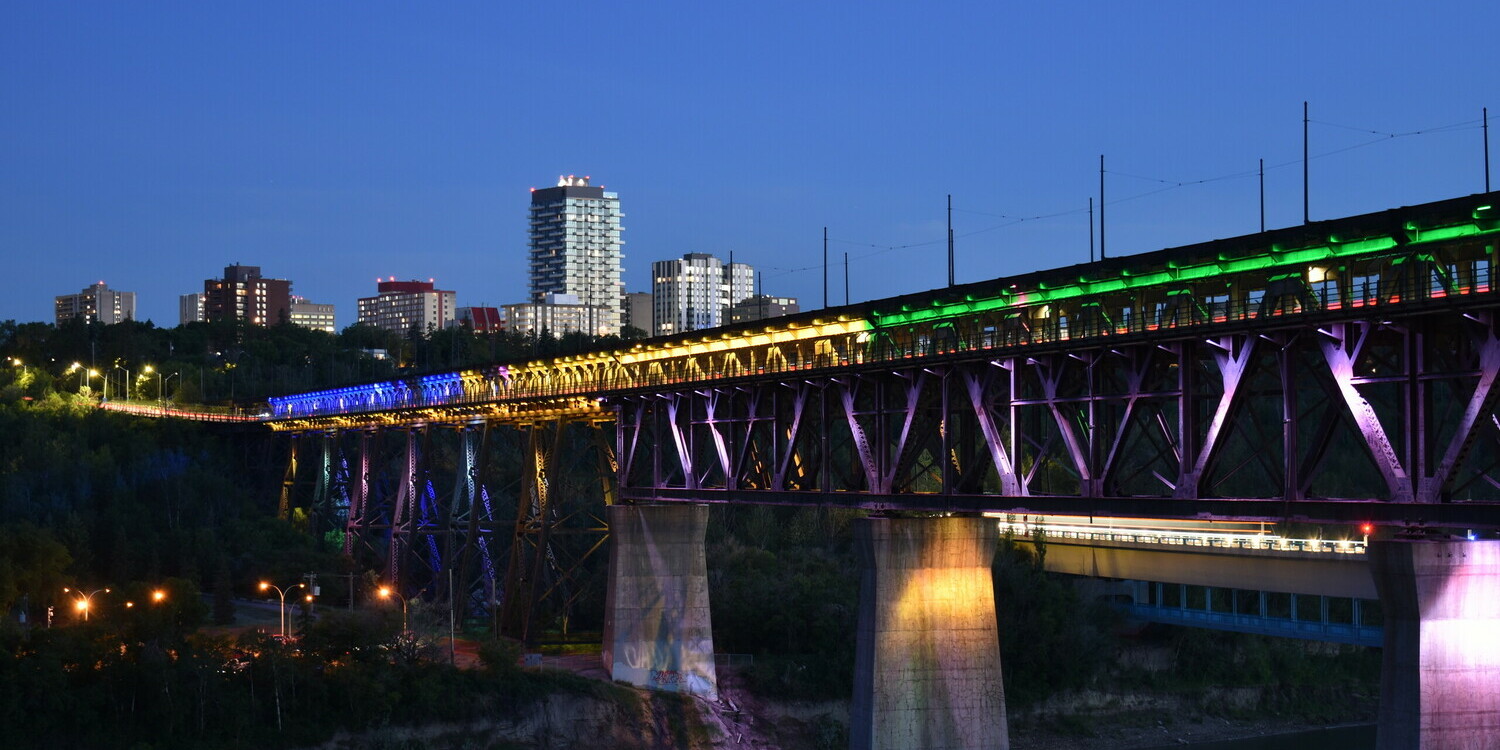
x=1339, y=371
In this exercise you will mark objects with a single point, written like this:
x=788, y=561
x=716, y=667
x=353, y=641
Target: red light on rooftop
x=1367, y=528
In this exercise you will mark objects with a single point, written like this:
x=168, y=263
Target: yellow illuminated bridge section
x=1440, y=253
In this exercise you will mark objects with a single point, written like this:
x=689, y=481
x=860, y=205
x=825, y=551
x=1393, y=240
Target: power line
x=1166, y=183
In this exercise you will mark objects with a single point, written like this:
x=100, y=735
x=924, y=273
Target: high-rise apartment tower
x=243, y=294
x=575, y=249
x=694, y=293
x=96, y=304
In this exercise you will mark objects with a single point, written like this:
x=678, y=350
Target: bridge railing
x=195, y=412
x=1274, y=287
x=1180, y=538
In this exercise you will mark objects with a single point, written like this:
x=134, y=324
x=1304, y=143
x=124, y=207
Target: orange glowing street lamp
x=264, y=586
x=387, y=592
x=83, y=602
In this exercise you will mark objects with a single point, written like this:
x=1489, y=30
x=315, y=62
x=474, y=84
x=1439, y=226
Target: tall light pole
x=127, y=380
x=385, y=593
x=160, y=381
x=84, y=374
x=82, y=602
x=282, y=591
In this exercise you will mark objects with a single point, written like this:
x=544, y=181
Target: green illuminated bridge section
x=1382, y=264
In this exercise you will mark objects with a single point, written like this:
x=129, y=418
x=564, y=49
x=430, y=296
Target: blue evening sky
x=151, y=144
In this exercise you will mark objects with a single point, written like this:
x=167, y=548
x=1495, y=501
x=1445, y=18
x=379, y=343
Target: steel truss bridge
x=1340, y=371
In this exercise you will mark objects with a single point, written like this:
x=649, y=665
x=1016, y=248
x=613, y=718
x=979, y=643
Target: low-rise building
x=556, y=313
x=635, y=311
x=481, y=319
x=313, y=315
x=401, y=306
x=762, y=306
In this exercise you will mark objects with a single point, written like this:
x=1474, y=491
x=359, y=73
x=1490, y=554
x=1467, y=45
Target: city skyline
x=150, y=147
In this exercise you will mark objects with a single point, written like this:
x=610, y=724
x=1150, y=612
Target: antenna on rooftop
x=1486, y=119
x=1262, y=195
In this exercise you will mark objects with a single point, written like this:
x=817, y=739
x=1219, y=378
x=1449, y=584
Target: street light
x=264, y=586
x=127, y=380
x=160, y=382
x=160, y=394
x=157, y=597
x=82, y=601
x=385, y=593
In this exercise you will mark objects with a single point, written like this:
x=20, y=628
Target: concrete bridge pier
x=1440, y=678
x=927, y=660
x=657, y=631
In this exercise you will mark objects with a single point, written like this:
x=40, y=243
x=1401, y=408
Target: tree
x=223, y=593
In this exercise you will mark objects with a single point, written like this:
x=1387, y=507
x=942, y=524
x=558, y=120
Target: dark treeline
x=93, y=500
x=155, y=684
x=228, y=361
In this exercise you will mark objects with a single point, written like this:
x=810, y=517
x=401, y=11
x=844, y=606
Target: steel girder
x=1399, y=413
x=415, y=501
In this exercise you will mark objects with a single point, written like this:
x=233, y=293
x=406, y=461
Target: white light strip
x=1183, y=538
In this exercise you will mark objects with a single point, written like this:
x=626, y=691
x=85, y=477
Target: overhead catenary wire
x=1167, y=185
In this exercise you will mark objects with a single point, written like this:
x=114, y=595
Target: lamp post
x=82, y=602
x=161, y=383
x=160, y=393
x=279, y=590
x=127, y=380
x=385, y=593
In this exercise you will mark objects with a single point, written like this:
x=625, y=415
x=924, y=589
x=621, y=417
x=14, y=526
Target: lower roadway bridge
x=1234, y=577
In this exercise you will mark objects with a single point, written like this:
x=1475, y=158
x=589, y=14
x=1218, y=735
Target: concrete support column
x=927, y=659
x=1440, y=679
x=657, y=632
